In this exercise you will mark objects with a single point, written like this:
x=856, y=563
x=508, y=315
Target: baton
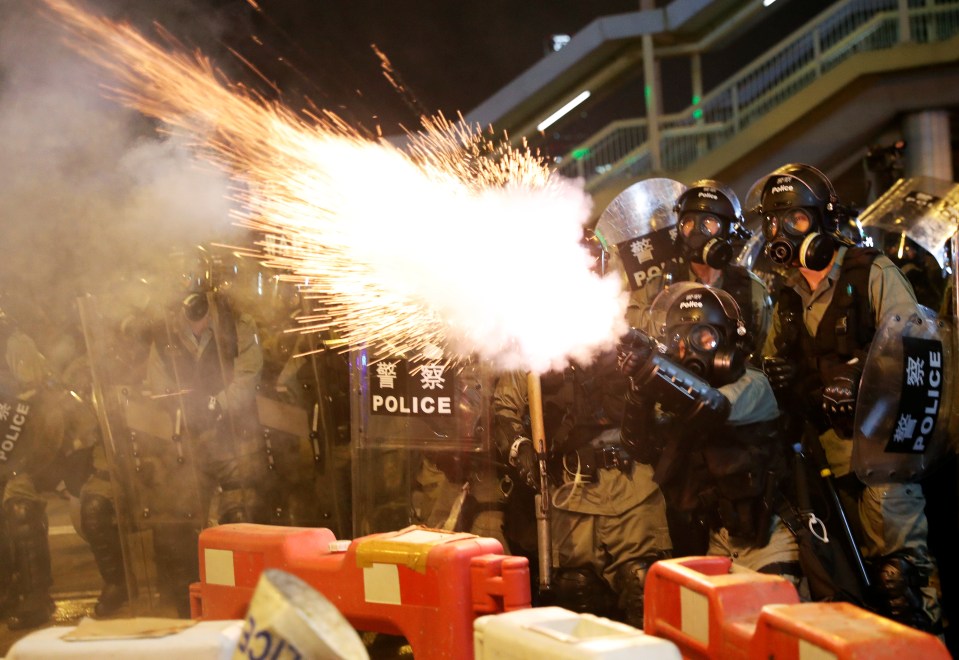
x=822, y=466
x=543, y=541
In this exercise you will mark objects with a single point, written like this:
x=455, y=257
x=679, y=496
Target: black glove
x=780, y=372
x=523, y=459
x=839, y=398
x=634, y=361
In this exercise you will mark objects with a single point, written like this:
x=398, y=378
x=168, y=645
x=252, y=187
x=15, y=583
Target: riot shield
x=176, y=458
x=923, y=209
x=906, y=397
x=305, y=416
x=641, y=225
x=422, y=451
x=302, y=402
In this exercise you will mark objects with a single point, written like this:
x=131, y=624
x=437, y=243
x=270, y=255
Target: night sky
x=450, y=56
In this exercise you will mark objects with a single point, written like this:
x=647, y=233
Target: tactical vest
x=733, y=477
x=579, y=403
x=847, y=326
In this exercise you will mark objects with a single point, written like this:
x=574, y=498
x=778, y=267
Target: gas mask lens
x=797, y=221
x=708, y=225
x=703, y=338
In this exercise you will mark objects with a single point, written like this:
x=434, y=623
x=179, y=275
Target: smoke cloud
x=92, y=194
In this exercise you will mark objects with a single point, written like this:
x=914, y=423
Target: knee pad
x=97, y=516
x=631, y=589
x=25, y=518
x=898, y=584
x=582, y=590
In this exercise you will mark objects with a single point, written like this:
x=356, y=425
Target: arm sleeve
x=888, y=288
x=509, y=409
x=638, y=309
x=769, y=344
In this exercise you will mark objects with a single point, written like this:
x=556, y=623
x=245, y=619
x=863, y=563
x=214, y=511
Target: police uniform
x=608, y=518
x=891, y=516
x=720, y=460
x=220, y=371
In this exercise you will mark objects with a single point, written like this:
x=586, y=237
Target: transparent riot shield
x=179, y=435
x=906, y=395
x=922, y=209
x=304, y=413
x=641, y=225
x=302, y=402
x=422, y=449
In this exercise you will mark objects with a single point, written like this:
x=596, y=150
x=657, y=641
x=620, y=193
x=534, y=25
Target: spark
x=454, y=244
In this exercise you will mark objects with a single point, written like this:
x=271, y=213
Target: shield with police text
x=640, y=224
x=15, y=414
x=421, y=444
x=906, y=397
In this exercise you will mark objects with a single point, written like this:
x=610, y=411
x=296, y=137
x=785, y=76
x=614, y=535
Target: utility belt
x=584, y=463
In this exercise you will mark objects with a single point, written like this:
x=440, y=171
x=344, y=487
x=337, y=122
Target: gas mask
x=702, y=238
x=794, y=239
x=709, y=218
x=800, y=213
x=703, y=333
x=703, y=350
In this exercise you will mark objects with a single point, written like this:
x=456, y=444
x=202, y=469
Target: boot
x=112, y=597
x=99, y=524
x=8, y=594
x=176, y=553
x=26, y=523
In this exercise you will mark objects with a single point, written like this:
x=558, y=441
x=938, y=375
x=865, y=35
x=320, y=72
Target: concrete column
x=928, y=151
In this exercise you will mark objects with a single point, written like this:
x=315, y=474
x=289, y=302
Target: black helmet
x=710, y=196
x=799, y=185
x=705, y=332
x=709, y=217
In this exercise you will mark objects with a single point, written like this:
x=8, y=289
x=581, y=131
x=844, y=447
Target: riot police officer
x=608, y=519
x=708, y=423
x=826, y=317
x=205, y=360
x=709, y=223
x=31, y=454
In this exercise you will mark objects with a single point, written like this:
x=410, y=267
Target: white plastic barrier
x=206, y=640
x=559, y=634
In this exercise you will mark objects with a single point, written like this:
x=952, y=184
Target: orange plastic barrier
x=427, y=585
x=791, y=632
x=710, y=610
x=706, y=610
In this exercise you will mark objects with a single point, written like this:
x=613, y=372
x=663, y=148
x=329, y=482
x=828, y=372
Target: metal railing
x=622, y=150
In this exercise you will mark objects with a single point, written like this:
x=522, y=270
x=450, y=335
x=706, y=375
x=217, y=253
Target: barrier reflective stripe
x=219, y=567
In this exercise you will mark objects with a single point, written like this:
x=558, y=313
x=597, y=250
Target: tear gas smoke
x=455, y=242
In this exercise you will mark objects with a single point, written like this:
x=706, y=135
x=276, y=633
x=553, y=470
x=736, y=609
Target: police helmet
x=705, y=331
